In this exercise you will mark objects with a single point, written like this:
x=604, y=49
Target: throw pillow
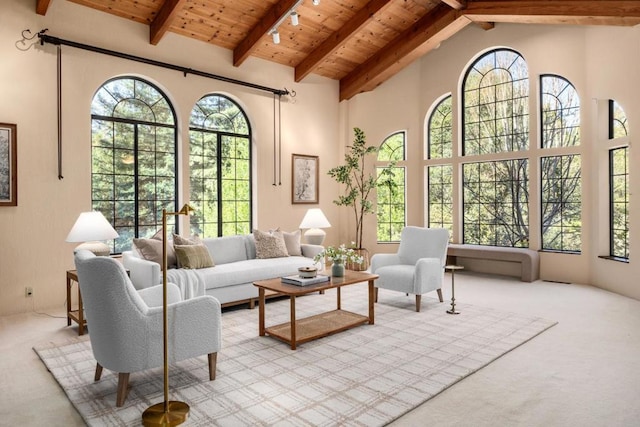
x=184, y=241
x=269, y=245
x=179, y=240
x=172, y=261
x=151, y=250
x=193, y=256
x=292, y=241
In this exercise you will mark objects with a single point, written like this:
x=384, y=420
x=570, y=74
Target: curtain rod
x=44, y=38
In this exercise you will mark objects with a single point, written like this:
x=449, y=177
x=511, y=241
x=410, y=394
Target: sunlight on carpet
x=366, y=376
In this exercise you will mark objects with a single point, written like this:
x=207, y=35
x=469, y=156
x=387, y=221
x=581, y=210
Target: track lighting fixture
x=295, y=19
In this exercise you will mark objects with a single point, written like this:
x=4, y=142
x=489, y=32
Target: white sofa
x=231, y=279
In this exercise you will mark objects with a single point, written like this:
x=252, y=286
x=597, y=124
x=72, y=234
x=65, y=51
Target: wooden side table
x=452, y=269
x=75, y=315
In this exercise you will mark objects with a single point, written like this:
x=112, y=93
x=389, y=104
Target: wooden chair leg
x=440, y=295
x=213, y=359
x=418, y=300
x=123, y=388
x=98, y=374
x=375, y=294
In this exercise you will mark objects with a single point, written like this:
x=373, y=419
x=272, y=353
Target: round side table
x=452, y=269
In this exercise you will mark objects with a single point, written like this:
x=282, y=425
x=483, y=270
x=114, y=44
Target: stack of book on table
x=301, y=281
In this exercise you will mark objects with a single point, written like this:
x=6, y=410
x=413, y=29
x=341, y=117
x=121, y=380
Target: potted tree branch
x=358, y=188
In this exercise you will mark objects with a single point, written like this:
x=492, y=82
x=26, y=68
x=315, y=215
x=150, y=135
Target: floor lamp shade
x=90, y=228
x=314, y=221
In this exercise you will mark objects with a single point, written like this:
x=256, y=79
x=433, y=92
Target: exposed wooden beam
x=456, y=4
x=426, y=34
x=339, y=38
x=42, y=6
x=163, y=20
x=611, y=12
x=248, y=44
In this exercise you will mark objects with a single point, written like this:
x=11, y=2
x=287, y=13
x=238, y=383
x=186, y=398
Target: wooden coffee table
x=299, y=331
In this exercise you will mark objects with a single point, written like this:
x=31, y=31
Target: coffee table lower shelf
x=318, y=326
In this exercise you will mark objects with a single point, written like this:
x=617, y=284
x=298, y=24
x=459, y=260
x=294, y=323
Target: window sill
x=614, y=258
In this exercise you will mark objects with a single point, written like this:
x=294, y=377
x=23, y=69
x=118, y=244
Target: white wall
x=33, y=250
x=601, y=62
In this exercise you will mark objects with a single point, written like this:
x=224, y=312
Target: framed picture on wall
x=8, y=165
x=304, y=179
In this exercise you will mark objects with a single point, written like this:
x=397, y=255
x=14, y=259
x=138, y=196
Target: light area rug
x=366, y=376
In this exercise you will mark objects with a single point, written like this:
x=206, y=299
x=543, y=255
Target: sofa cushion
x=249, y=271
x=226, y=249
x=270, y=245
x=193, y=256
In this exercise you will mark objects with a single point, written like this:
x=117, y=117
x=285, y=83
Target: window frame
x=112, y=216
x=220, y=135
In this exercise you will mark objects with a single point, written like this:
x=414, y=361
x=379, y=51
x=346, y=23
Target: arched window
x=134, y=168
x=440, y=176
x=618, y=183
x=391, y=204
x=560, y=175
x=220, y=165
x=496, y=122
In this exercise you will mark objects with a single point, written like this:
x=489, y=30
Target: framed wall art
x=8, y=165
x=304, y=180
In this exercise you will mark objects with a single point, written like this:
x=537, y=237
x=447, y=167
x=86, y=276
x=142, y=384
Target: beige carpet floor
x=582, y=371
x=365, y=376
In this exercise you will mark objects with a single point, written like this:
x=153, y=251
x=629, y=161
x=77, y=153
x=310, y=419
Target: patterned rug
x=366, y=376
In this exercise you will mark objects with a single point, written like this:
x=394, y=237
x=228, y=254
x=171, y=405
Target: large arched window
x=560, y=174
x=134, y=168
x=391, y=205
x=440, y=176
x=496, y=123
x=220, y=165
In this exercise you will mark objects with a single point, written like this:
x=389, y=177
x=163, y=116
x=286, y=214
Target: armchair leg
x=98, y=374
x=418, y=300
x=440, y=294
x=213, y=358
x=375, y=295
x=123, y=388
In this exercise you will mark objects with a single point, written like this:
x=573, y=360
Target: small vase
x=337, y=270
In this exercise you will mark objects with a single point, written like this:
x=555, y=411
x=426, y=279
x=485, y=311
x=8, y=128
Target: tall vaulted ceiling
x=361, y=43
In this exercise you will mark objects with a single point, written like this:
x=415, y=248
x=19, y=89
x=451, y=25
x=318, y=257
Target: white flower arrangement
x=339, y=255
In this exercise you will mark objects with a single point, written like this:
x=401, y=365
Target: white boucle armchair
x=418, y=267
x=125, y=325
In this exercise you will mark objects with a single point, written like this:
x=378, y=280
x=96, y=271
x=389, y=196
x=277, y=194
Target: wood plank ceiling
x=361, y=43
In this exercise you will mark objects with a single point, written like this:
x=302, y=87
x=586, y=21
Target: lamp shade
x=314, y=220
x=90, y=227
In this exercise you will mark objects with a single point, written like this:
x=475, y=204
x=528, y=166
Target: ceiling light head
x=276, y=37
x=316, y=2
x=294, y=18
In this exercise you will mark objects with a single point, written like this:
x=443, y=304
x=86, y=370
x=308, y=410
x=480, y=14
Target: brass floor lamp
x=166, y=413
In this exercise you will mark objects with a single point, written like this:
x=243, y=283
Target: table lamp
x=314, y=220
x=90, y=227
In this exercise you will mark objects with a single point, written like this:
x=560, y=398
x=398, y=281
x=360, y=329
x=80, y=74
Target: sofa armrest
x=153, y=295
x=310, y=251
x=382, y=260
x=143, y=273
